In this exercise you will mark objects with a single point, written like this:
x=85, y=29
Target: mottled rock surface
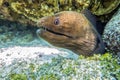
x=111, y=33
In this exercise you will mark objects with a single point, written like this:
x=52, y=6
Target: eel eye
x=56, y=22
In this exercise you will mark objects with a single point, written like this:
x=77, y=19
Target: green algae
x=110, y=65
x=50, y=77
x=18, y=77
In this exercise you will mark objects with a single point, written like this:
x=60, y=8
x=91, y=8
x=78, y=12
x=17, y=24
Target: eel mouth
x=56, y=33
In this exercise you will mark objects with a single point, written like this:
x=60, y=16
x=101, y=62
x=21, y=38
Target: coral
x=111, y=33
x=29, y=11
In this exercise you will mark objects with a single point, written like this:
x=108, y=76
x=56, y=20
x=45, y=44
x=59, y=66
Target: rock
x=111, y=35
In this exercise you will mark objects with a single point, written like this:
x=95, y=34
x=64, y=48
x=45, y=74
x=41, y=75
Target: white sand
x=43, y=54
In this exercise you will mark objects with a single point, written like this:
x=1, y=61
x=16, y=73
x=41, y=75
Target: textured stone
x=111, y=33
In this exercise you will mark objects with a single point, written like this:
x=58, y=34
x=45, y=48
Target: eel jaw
x=56, y=33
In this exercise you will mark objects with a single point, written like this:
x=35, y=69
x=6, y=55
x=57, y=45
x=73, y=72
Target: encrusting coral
x=29, y=11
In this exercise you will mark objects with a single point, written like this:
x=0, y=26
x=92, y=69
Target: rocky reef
x=29, y=11
x=111, y=33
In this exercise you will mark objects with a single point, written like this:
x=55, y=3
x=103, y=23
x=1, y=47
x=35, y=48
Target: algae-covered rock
x=111, y=33
x=29, y=11
x=101, y=7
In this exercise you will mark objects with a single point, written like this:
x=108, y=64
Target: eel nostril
x=41, y=21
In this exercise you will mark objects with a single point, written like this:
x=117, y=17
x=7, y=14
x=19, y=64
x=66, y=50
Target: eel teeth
x=45, y=28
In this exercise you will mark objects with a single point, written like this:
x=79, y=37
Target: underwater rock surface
x=111, y=35
x=44, y=63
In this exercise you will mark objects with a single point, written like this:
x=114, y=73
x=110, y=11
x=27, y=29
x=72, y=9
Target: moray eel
x=71, y=30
